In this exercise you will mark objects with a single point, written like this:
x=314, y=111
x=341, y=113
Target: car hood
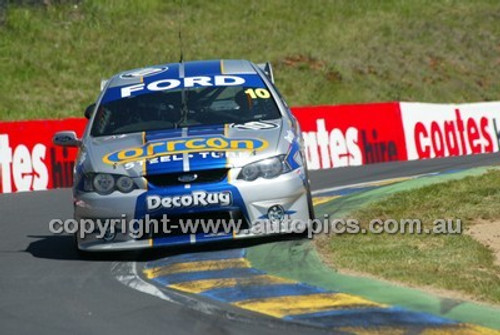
x=185, y=149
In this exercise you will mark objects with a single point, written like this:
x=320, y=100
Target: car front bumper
x=252, y=199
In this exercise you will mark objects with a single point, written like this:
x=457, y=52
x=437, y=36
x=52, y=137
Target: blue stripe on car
x=202, y=68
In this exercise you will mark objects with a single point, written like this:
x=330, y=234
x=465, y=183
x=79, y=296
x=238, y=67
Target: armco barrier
x=335, y=136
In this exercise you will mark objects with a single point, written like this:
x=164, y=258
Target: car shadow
x=61, y=247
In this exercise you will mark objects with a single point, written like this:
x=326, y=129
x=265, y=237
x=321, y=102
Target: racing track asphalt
x=46, y=288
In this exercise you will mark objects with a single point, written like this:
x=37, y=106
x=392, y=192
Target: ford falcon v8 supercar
x=184, y=141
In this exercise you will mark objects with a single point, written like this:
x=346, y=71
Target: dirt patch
x=488, y=234
x=301, y=60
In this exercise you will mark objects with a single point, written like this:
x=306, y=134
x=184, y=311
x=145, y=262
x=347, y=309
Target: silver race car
x=186, y=153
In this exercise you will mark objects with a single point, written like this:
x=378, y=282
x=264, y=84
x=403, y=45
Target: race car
x=176, y=142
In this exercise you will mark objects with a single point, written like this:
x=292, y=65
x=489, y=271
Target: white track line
x=126, y=273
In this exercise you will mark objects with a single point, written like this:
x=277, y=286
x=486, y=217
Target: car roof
x=184, y=69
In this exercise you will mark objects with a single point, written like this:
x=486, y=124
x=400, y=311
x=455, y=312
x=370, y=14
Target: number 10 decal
x=258, y=93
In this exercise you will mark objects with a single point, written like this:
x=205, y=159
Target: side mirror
x=89, y=110
x=66, y=139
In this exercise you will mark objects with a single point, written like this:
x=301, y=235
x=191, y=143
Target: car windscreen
x=184, y=107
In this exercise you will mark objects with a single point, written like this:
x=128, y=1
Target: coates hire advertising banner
x=334, y=136
x=435, y=130
x=349, y=135
x=29, y=161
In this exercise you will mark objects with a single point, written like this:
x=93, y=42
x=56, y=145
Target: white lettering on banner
x=41, y=179
x=21, y=163
x=433, y=130
x=168, y=84
x=336, y=148
x=21, y=168
x=5, y=161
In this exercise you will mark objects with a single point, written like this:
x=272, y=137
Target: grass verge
x=451, y=262
x=53, y=58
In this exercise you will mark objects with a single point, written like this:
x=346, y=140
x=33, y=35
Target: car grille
x=176, y=229
x=203, y=176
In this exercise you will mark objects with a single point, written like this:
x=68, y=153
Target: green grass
x=52, y=59
x=452, y=262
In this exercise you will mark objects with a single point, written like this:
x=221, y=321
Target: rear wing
x=268, y=70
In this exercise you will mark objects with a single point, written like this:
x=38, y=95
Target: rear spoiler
x=268, y=70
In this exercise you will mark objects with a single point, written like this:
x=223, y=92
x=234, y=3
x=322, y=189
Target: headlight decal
x=292, y=160
x=268, y=168
x=105, y=183
x=125, y=184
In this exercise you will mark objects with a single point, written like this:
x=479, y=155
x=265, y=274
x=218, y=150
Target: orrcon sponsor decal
x=434, y=130
x=337, y=136
x=180, y=145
